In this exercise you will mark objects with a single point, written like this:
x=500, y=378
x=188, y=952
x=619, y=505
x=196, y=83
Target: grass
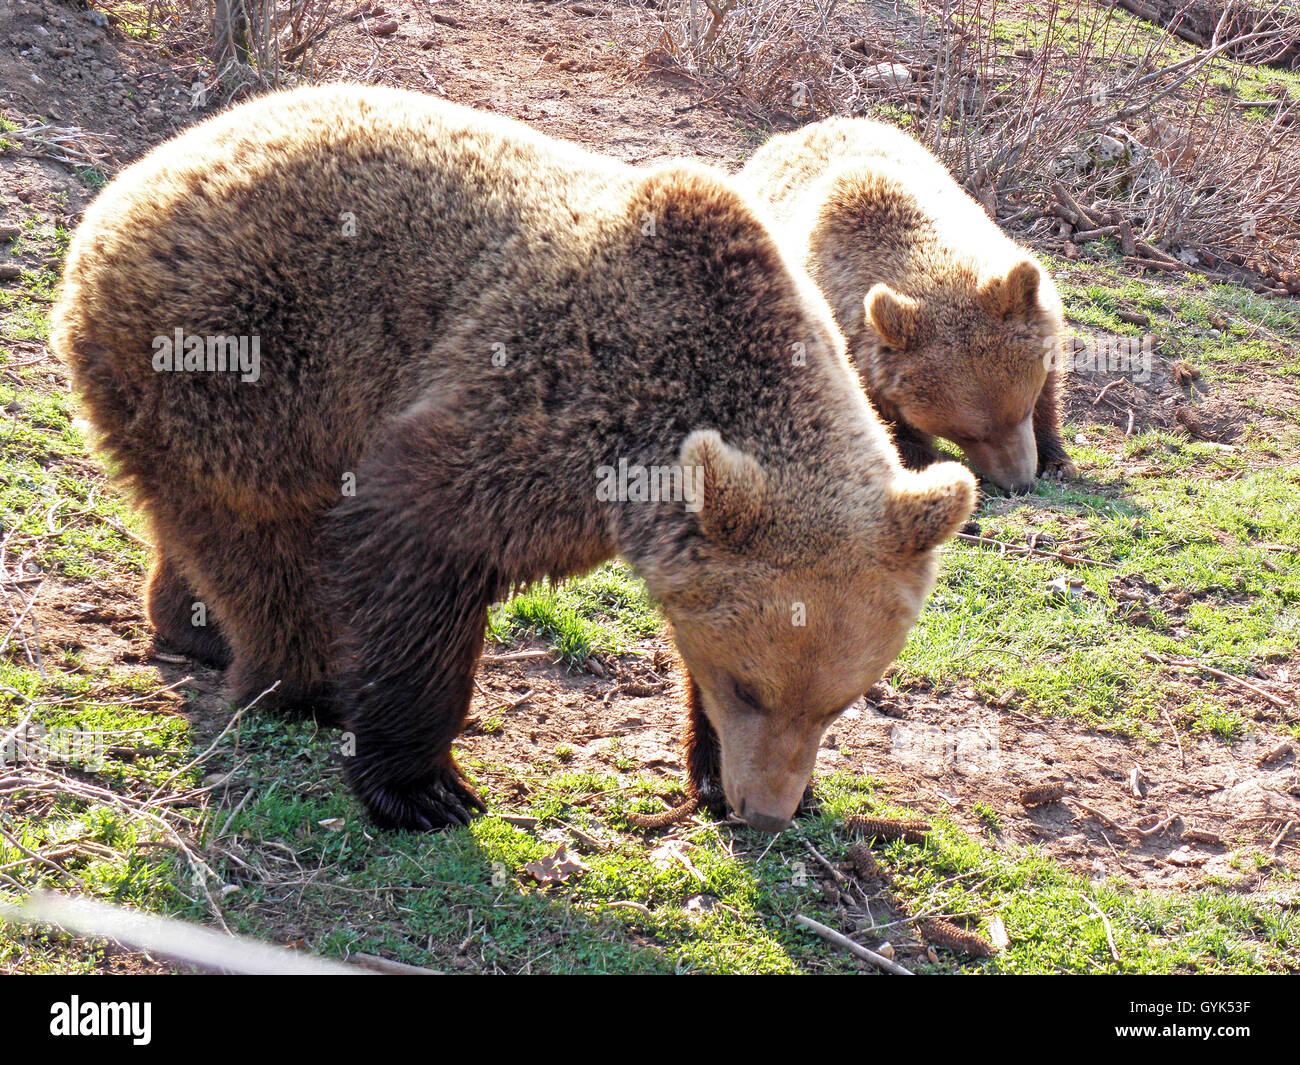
x=608, y=611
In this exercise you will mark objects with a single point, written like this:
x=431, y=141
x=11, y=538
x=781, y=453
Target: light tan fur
x=951, y=324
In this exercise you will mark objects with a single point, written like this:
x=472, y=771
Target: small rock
x=886, y=76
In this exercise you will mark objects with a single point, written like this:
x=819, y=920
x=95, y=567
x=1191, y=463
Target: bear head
x=953, y=326
x=966, y=359
x=798, y=590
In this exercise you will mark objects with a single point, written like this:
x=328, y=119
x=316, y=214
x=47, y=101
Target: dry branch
x=840, y=940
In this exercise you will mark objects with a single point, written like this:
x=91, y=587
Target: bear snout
x=1010, y=463
x=764, y=822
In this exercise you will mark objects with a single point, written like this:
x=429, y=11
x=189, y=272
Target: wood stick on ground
x=1127, y=241
x=1025, y=549
x=1082, y=236
x=1177, y=739
x=1281, y=836
x=821, y=859
x=1073, y=205
x=1158, y=827
x=178, y=940
x=1110, y=935
x=1102, y=394
x=832, y=936
x=1107, y=821
x=1187, y=663
x=514, y=656
x=40, y=859
x=1150, y=251
x=1154, y=264
x=375, y=963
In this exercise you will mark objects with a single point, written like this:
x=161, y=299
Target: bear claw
x=1060, y=470
x=444, y=800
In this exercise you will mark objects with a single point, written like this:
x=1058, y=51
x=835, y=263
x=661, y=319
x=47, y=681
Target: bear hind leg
x=257, y=579
x=180, y=617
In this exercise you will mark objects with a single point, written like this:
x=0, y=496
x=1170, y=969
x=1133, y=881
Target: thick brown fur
x=953, y=326
x=460, y=323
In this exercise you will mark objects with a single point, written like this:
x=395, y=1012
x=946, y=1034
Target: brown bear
x=952, y=325
x=460, y=327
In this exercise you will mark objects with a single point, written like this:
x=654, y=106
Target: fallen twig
x=178, y=940
x=1157, y=828
x=1110, y=936
x=514, y=656
x=375, y=963
x=1177, y=739
x=1107, y=821
x=840, y=940
x=1025, y=549
x=1187, y=663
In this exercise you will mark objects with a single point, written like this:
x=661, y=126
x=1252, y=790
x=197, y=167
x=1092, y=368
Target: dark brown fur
x=508, y=315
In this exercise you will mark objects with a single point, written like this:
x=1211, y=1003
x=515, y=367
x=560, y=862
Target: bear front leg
x=171, y=602
x=412, y=647
x=915, y=448
x=703, y=755
x=1053, y=460
x=410, y=617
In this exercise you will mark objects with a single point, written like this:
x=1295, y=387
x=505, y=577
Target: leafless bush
x=771, y=54
x=1137, y=131
x=238, y=45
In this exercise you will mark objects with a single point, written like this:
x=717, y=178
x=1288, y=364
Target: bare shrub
x=238, y=45
x=1153, y=146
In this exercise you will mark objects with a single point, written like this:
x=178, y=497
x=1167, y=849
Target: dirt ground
x=1172, y=825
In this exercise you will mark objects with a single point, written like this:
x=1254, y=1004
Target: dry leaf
x=555, y=868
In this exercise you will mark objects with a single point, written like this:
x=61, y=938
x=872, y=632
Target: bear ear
x=928, y=507
x=894, y=316
x=1014, y=294
x=731, y=488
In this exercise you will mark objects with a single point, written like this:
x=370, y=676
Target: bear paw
x=1059, y=470
x=442, y=800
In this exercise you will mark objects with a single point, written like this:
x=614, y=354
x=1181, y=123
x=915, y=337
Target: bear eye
x=745, y=696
